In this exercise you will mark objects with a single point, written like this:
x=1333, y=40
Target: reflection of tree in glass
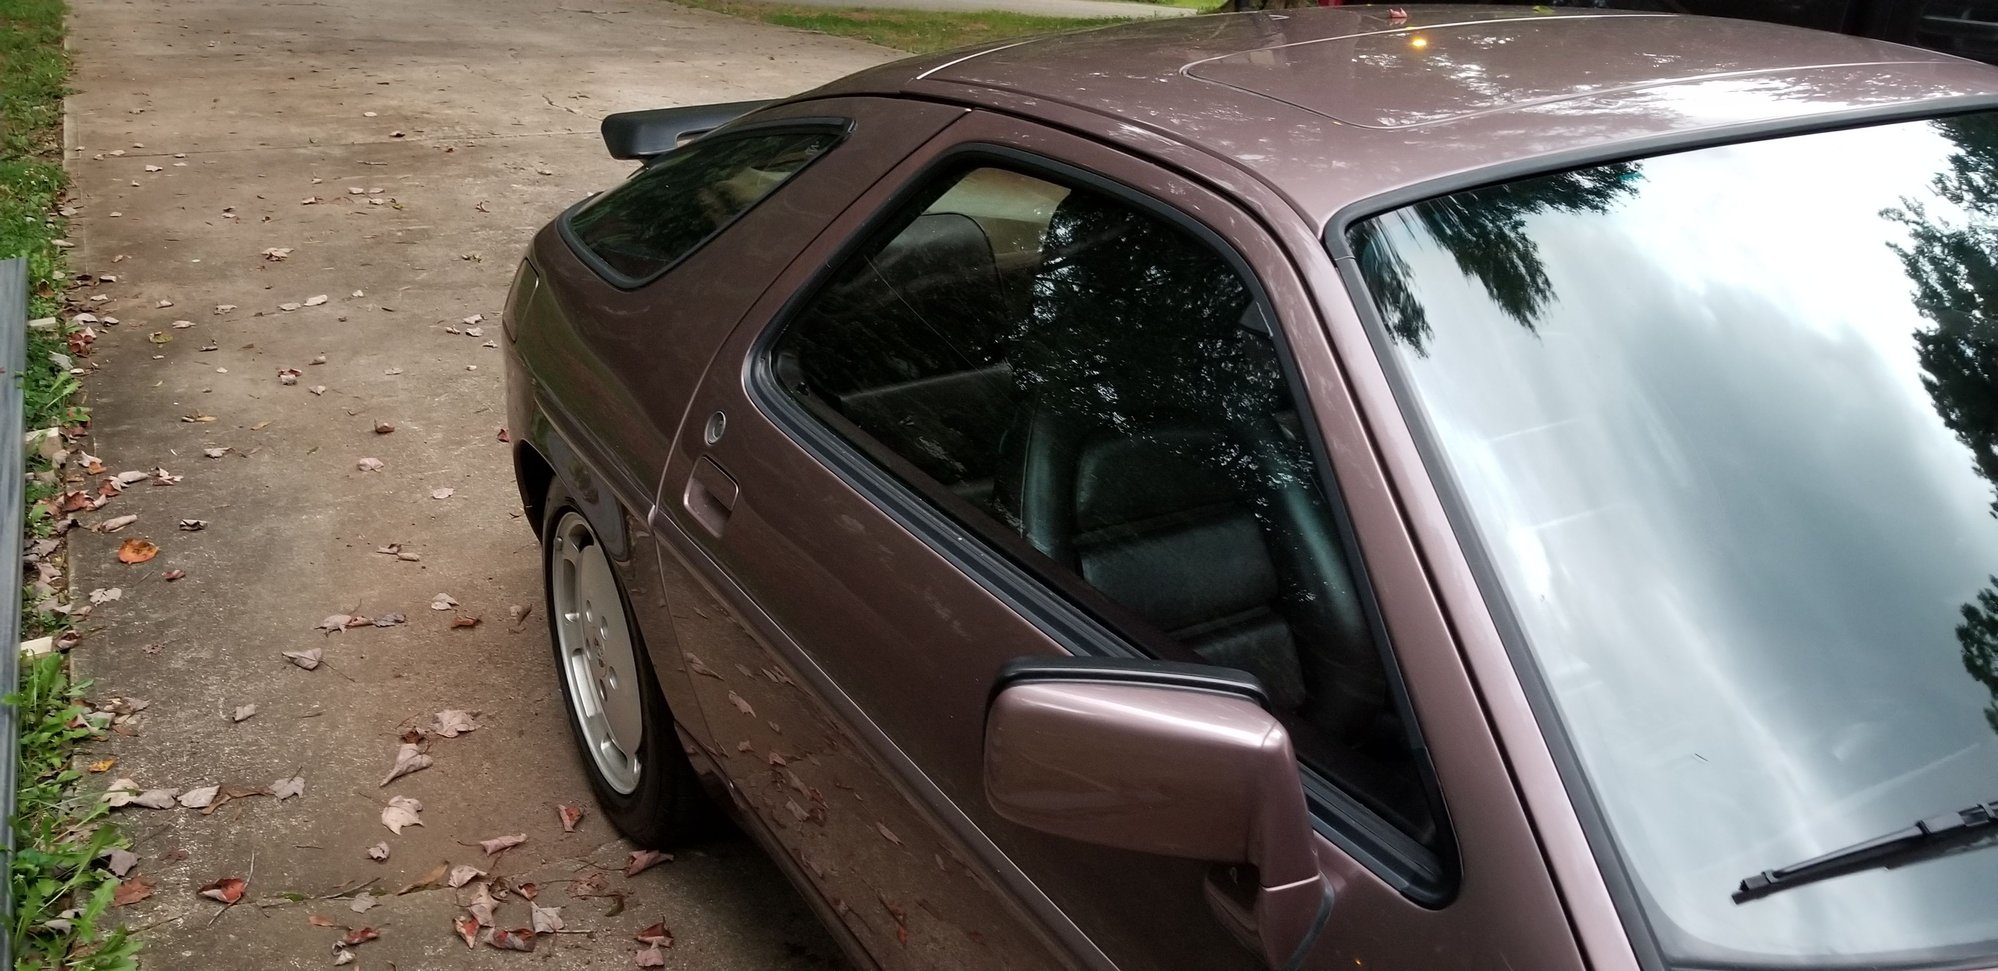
x=1954, y=268
x=1484, y=231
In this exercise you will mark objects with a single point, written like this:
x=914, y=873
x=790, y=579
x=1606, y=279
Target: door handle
x=710, y=496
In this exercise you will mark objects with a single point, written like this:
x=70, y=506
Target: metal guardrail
x=13, y=461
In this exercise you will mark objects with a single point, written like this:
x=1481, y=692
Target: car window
x=1072, y=370
x=661, y=214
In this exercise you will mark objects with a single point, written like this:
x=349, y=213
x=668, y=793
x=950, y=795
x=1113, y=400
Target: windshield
x=1725, y=425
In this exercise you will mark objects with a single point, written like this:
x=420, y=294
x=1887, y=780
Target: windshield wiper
x=1928, y=837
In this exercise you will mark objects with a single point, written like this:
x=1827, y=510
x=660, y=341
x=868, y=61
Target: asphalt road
x=402, y=153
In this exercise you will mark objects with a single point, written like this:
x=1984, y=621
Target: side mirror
x=1176, y=759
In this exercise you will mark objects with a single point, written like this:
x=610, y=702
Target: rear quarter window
x=636, y=231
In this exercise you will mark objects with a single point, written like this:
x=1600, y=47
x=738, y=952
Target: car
x=1418, y=489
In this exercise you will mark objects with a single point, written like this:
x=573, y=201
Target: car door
x=1032, y=395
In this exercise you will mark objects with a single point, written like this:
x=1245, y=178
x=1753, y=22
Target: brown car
x=1455, y=488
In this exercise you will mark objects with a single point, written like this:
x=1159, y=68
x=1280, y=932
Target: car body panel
x=913, y=642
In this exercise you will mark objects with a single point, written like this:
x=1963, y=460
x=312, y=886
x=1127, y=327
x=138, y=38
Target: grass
x=915, y=31
x=61, y=894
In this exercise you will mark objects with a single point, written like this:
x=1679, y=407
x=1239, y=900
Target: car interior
x=1105, y=386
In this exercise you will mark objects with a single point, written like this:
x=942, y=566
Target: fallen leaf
x=120, y=861
x=315, y=301
x=288, y=375
x=197, y=418
x=306, y=659
x=442, y=601
x=226, y=891
x=136, y=550
x=465, y=620
x=125, y=792
x=468, y=929
x=199, y=798
x=160, y=337
x=288, y=306
x=643, y=860
x=172, y=575
x=379, y=851
x=364, y=902
x=452, y=723
x=102, y=595
x=481, y=907
x=588, y=885
x=651, y=957
x=570, y=816
x=519, y=613
x=546, y=920
x=102, y=765
x=284, y=789
x=402, y=811
x=391, y=619
x=430, y=878
x=243, y=713
x=443, y=493
x=518, y=939
x=359, y=935
x=888, y=834
x=464, y=873
x=317, y=389
x=499, y=844
x=503, y=436
x=216, y=453
x=318, y=920
x=342, y=956
x=115, y=523
x=409, y=758
x=656, y=936
x=528, y=891
x=369, y=465
x=741, y=705
x=193, y=525
x=131, y=891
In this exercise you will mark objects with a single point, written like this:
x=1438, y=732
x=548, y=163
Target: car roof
x=1342, y=107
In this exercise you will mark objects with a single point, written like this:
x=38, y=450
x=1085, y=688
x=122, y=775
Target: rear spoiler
x=644, y=134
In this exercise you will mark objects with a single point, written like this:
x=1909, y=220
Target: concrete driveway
x=402, y=153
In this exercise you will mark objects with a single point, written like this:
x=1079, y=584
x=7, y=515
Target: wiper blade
x=1935, y=835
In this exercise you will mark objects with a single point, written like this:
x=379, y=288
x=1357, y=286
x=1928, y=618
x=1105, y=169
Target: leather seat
x=1152, y=459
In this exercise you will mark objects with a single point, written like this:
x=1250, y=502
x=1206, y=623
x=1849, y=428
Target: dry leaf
x=120, y=861
x=131, y=892
x=216, y=453
x=651, y=957
x=468, y=929
x=888, y=835
x=104, y=596
x=306, y=659
x=518, y=939
x=369, y=465
x=409, y=758
x=442, y=493
x=528, y=891
x=277, y=254
x=293, y=787
x=379, y=851
x=243, y=713
x=225, y=891
x=570, y=816
x=102, y=765
x=452, y=723
x=288, y=376
x=359, y=935
x=199, y=798
x=741, y=705
x=499, y=844
x=116, y=523
x=642, y=860
x=546, y=920
x=288, y=306
x=315, y=301
x=481, y=907
x=402, y=811
x=465, y=620
x=429, y=879
x=317, y=389
x=464, y=873
x=193, y=525
x=364, y=902
x=519, y=612
x=442, y=601
x=136, y=550
x=342, y=956
x=172, y=575
x=656, y=936
x=318, y=920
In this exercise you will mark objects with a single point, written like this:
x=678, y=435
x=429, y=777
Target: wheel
x=640, y=776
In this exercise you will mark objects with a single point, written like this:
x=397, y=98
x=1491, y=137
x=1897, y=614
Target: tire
x=640, y=776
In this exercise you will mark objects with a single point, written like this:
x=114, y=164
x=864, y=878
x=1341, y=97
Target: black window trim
x=840, y=128
x=1626, y=894
x=1428, y=876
